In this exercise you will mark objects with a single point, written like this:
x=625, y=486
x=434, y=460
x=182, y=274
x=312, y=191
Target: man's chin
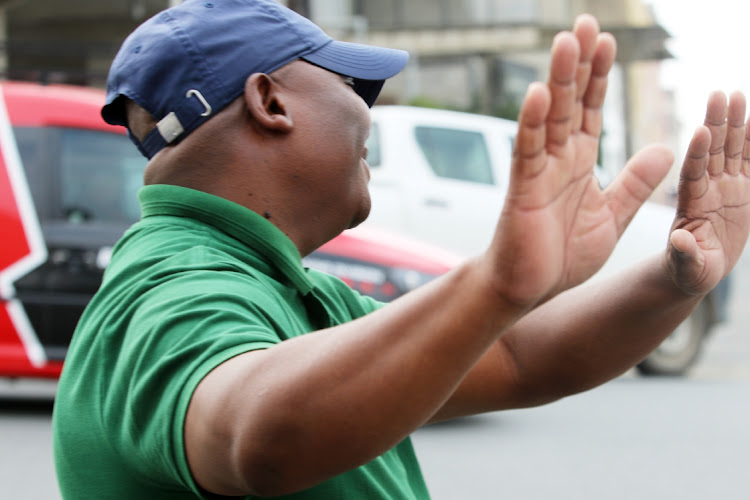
x=361, y=216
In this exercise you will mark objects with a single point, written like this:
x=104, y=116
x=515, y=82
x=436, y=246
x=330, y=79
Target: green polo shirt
x=197, y=281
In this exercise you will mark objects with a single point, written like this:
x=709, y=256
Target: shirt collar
x=231, y=218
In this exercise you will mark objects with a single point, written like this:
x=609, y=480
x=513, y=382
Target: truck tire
x=679, y=352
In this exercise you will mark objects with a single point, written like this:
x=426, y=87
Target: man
x=212, y=363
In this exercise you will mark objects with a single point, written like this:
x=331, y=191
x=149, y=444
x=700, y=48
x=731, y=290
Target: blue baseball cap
x=188, y=62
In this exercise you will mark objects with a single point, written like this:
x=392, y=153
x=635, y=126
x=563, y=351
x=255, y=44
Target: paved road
x=634, y=438
x=727, y=355
x=26, y=470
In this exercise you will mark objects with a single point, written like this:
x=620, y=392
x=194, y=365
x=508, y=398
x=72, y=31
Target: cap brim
x=362, y=62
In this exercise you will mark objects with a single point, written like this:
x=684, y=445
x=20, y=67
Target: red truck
x=68, y=184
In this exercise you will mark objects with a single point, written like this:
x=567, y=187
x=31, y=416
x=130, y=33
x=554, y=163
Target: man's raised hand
x=558, y=227
x=713, y=212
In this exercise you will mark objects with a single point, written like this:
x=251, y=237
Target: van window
x=96, y=175
x=456, y=154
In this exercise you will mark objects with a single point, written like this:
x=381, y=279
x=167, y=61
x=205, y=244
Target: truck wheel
x=681, y=349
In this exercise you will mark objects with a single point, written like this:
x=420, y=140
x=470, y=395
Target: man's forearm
x=595, y=332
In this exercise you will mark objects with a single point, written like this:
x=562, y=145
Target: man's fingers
x=577, y=97
x=638, y=179
x=562, y=87
x=716, y=122
x=735, y=139
x=685, y=259
x=529, y=150
x=593, y=99
x=684, y=243
x=586, y=30
x=693, y=181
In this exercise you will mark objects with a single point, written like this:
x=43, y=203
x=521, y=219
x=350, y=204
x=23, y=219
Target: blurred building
x=475, y=55
x=71, y=41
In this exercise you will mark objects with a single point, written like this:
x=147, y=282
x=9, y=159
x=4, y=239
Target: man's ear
x=266, y=104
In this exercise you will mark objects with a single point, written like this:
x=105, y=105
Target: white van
x=441, y=177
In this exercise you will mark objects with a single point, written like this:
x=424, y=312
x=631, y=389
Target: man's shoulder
x=340, y=297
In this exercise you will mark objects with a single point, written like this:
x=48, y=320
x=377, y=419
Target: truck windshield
x=81, y=176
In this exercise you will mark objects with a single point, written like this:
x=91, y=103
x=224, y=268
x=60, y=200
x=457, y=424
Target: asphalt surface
x=631, y=439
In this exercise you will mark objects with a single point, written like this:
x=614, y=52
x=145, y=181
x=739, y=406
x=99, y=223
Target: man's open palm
x=713, y=212
x=558, y=226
